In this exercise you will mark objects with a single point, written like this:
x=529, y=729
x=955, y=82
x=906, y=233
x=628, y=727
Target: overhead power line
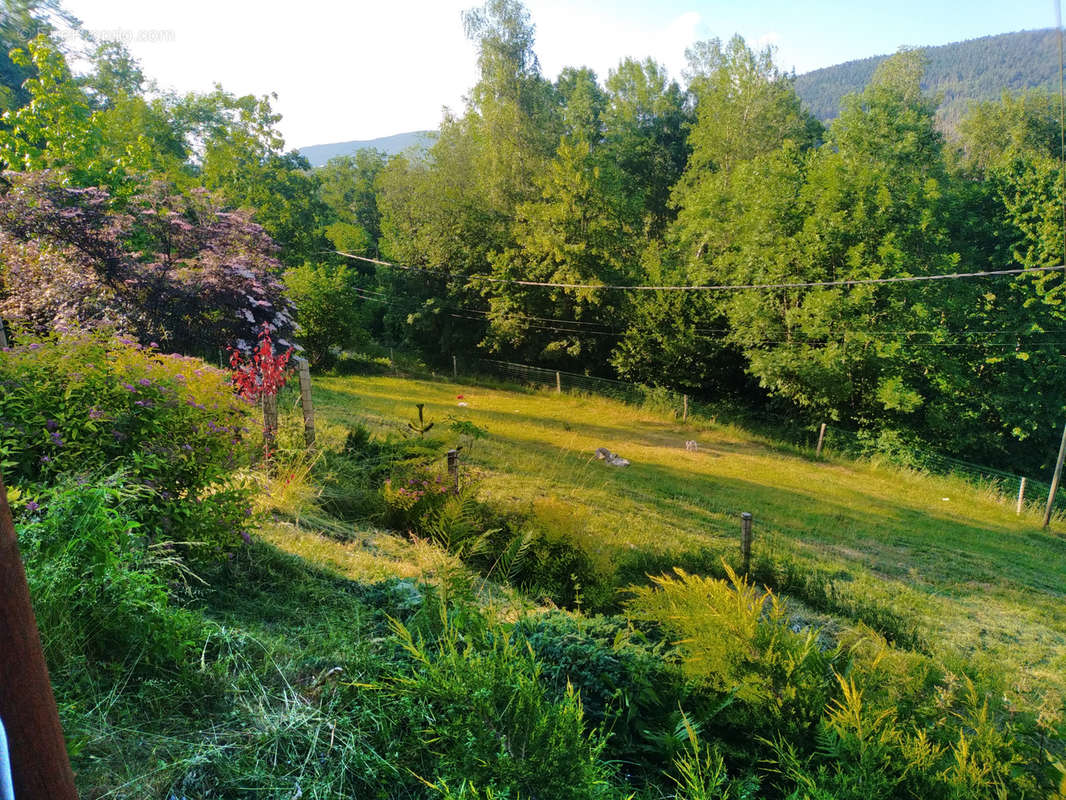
x=894, y=334
x=840, y=337
x=714, y=287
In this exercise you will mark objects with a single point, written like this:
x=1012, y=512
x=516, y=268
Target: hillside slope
x=891, y=548
x=977, y=69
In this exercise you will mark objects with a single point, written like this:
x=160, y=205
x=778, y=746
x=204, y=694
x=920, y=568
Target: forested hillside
x=957, y=74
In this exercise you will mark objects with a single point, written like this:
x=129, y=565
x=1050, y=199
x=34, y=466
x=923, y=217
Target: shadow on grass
x=941, y=549
x=274, y=592
x=826, y=520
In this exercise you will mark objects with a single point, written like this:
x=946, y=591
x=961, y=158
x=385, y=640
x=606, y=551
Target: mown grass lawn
x=984, y=582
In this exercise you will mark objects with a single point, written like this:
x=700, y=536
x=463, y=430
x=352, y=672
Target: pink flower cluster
x=417, y=489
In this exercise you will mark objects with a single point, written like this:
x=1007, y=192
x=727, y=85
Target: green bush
x=352, y=480
x=100, y=589
x=361, y=364
x=628, y=688
x=867, y=750
x=90, y=404
x=803, y=579
x=481, y=701
x=736, y=643
x=415, y=503
x=863, y=720
x=561, y=572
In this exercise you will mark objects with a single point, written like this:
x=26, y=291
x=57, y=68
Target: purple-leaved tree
x=170, y=267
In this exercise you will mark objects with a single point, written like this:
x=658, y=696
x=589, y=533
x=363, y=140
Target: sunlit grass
x=984, y=581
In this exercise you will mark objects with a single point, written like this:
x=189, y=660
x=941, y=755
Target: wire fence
x=837, y=440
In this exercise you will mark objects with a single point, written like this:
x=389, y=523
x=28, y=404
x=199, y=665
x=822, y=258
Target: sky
x=360, y=70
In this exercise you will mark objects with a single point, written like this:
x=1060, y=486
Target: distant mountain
x=319, y=154
x=959, y=73
x=977, y=69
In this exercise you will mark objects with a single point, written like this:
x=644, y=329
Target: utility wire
x=1017, y=337
x=842, y=338
x=713, y=287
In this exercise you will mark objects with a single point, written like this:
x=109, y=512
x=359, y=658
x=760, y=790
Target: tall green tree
x=578, y=232
x=873, y=202
x=243, y=158
x=1006, y=378
x=744, y=108
x=115, y=75
x=347, y=186
x=582, y=102
x=434, y=217
x=646, y=127
x=56, y=127
x=512, y=105
x=22, y=21
x=449, y=213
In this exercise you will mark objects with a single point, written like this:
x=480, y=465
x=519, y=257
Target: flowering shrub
x=84, y=404
x=410, y=502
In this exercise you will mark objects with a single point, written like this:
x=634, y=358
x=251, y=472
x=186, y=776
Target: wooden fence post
x=1055, y=480
x=745, y=541
x=821, y=438
x=558, y=382
x=306, y=403
x=270, y=423
x=39, y=763
x=1021, y=496
x=453, y=469
x=684, y=408
x=455, y=369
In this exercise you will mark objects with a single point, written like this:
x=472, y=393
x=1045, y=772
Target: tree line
x=636, y=179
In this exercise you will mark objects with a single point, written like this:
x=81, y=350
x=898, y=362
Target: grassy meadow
x=363, y=630
x=947, y=560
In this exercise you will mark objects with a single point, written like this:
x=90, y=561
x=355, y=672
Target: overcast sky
x=360, y=70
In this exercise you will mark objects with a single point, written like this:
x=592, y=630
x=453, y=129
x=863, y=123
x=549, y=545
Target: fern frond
x=516, y=554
